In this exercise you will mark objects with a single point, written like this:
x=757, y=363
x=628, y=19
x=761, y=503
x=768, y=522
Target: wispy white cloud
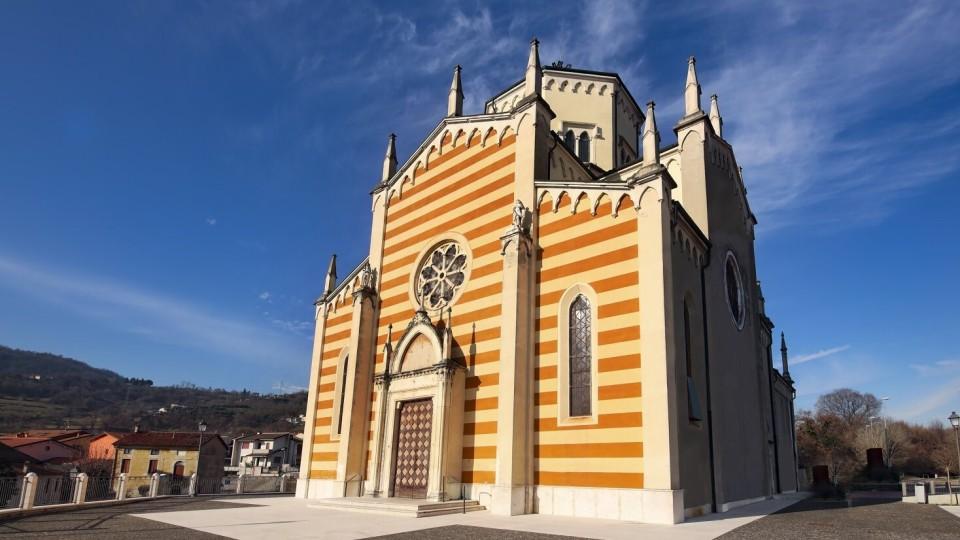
x=158, y=317
x=211, y=221
x=265, y=296
x=796, y=98
x=933, y=402
x=940, y=368
x=823, y=353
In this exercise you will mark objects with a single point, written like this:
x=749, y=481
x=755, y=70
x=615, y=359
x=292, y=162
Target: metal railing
x=261, y=484
x=214, y=486
x=173, y=485
x=102, y=488
x=11, y=489
x=54, y=490
x=26, y=492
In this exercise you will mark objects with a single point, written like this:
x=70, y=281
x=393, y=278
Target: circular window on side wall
x=441, y=275
x=734, y=289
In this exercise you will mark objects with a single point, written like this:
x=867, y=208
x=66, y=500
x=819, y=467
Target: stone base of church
x=318, y=489
x=662, y=506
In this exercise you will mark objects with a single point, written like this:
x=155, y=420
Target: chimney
x=136, y=428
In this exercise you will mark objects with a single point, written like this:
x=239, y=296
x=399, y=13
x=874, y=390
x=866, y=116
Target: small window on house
x=127, y=451
x=583, y=147
x=181, y=452
x=580, y=357
x=569, y=139
x=153, y=467
x=154, y=451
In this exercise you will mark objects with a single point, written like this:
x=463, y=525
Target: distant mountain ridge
x=43, y=390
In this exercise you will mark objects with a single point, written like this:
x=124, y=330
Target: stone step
x=407, y=507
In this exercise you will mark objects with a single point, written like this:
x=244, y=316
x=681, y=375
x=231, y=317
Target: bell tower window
x=583, y=147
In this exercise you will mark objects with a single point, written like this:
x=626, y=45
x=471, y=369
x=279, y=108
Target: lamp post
x=954, y=419
x=202, y=427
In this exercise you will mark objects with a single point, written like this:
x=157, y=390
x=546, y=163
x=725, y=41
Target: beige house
x=557, y=314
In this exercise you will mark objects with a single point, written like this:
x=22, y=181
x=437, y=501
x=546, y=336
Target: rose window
x=441, y=275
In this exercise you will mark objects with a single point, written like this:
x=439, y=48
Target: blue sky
x=175, y=175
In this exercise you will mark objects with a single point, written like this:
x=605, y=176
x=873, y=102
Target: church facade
x=557, y=315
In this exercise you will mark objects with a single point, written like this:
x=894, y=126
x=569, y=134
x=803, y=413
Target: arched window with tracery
x=580, y=357
x=583, y=147
x=570, y=140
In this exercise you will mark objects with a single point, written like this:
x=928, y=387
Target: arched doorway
x=178, y=468
x=418, y=436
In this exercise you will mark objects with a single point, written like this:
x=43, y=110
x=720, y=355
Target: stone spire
x=715, y=120
x=331, y=280
x=455, y=99
x=691, y=93
x=390, y=159
x=783, y=356
x=532, y=78
x=651, y=138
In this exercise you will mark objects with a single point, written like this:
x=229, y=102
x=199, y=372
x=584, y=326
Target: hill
x=41, y=390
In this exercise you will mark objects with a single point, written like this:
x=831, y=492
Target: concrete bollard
x=193, y=485
x=122, y=487
x=239, y=484
x=154, y=484
x=903, y=488
x=283, y=483
x=80, y=488
x=29, y=494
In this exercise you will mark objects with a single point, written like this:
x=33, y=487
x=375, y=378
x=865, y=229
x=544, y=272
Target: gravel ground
x=874, y=520
x=462, y=532
x=112, y=522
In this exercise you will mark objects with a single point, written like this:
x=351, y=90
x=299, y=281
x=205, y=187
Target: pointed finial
x=331, y=280
x=691, y=93
x=651, y=138
x=390, y=159
x=715, y=120
x=532, y=77
x=783, y=356
x=455, y=98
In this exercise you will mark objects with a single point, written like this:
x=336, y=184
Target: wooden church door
x=414, y=430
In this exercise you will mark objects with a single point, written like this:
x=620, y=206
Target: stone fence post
x=154, y=484
x=80, y=488
x=240, y=484
x=29, y=491
x=193, y=485
x=122, y=487
x=283, y=483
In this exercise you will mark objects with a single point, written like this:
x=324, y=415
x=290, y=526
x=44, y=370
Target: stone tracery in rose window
x=441, y=275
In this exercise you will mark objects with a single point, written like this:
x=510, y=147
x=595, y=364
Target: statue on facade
x=519, y=214
x=367, y=277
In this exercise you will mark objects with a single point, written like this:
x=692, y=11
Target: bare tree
x=887, y=434
x=852, y=407
x=826, y=439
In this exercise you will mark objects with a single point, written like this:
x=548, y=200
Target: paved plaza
x=263, y=518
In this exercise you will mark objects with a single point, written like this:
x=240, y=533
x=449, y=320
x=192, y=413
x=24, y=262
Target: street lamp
x=202, y=427
x=954, y=419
